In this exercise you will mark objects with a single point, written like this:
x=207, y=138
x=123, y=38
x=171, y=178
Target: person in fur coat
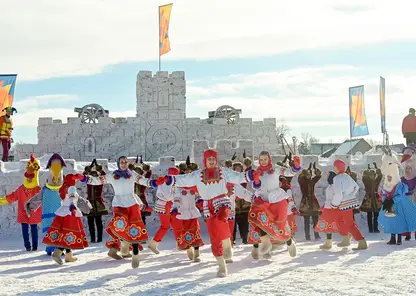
x=95, y=195
x=372, y=202
x=309, y=205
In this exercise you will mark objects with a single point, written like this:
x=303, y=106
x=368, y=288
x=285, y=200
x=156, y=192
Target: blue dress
x=51, y=202
x=405, y=219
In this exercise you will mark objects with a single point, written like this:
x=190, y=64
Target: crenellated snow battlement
x=11, y=175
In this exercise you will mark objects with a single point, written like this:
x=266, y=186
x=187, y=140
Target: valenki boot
x=222, y=270
x=228, y=250
x=153, y=247
x=255, y=253
x=345, y=241
x=327, y=244
x=196, y=256
x=70, y=258
x=392, y=240
x=190, y=253
x=362, y=245
x=125, y=249
x=291, y=247
x=113, y=254
x=266, y=245
x=56, y=256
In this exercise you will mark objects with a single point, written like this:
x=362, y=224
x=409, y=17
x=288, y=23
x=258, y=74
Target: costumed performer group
x=259, y=201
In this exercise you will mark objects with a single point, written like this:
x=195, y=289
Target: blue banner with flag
x=7, y=85
x=383, y=104
x=358, y=119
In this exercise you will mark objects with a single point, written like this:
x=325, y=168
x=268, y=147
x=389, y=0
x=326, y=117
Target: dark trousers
x=372, y=221
x=6, y=148
x=34, y=233
x=307, y=224
x=410, y=138
x=92, y=221
x=241, y=221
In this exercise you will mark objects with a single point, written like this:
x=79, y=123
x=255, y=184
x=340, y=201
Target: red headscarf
x=340, y=165
x=267, y=168
x=210, y=171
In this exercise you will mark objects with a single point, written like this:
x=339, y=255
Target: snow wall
x=11, y=177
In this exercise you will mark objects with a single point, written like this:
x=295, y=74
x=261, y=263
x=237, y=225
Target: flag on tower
x=358, y=119
x=164, y=18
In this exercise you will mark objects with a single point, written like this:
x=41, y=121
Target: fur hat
x=237, y=164
x=248, y=162
x=193, y=166
x=182, y=166
x=228, y=163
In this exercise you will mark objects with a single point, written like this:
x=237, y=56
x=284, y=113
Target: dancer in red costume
x=268, y=213
x=185, y=212
x=165, y=195
x=211, y=183
x=292, y=210
x=67, y=231
x=127, y=224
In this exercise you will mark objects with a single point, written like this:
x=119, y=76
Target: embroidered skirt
x=127, y=225
x=328, y=221
x=271, y=218
x=187, y=233
x=291, y=219
x=66, y=232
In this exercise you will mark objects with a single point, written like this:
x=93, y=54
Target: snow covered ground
x=381, y=270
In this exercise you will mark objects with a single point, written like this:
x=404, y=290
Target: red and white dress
x=67, y=229
x=127, y=223
x=269, y=208
x=187, y=230
x=211, y=184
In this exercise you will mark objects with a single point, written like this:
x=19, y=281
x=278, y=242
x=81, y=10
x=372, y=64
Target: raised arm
x=94, y=181
x=234, y=177
x=186, y=180
x=242, y=193
x=11, y=197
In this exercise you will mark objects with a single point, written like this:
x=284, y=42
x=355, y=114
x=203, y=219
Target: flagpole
x=158, y=44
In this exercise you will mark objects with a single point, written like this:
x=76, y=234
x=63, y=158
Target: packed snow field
x=380, y=270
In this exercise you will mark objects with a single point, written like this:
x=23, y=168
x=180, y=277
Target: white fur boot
x=196, y=256
x=56, y=256
x=345, y=241
x=124, y=249
x=135, y=261
x=255, y=253
x=113, y=254
x=292, y=248
x=153, y=246
x=190, y=253
x=228, y=250
x=327, y=244
x=222, y=270
x=266, y=245
x=70, y=258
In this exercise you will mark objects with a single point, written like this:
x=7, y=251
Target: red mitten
x=148, y=209
x=256, y=177
x=160, y=181
x=223, y=213
x=79, y=177
x=296, y=212
x=200, y=205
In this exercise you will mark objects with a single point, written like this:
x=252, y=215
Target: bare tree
x=305, y=144
x=282, y=129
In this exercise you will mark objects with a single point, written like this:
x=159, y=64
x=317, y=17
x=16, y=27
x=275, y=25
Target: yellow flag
x=164, y=18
